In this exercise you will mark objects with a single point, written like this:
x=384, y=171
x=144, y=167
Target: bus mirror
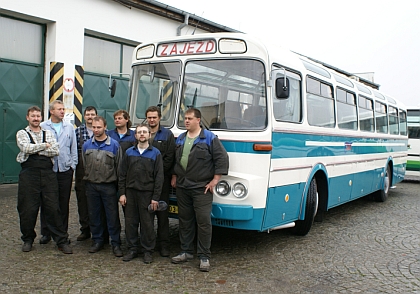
x=282, y=88
x=113, y=88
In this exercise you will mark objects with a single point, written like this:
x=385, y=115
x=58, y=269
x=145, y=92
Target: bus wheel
x=302, y=227
x=382, y=195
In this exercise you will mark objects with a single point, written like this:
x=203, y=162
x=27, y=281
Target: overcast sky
x=357, y=36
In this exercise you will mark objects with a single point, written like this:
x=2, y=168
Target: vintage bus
x=413, y=121
x=302, y=136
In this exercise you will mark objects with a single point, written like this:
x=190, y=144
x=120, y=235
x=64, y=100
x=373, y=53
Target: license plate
x=173, y=209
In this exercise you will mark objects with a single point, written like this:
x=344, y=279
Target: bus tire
x=382, y=195
x=302, y=227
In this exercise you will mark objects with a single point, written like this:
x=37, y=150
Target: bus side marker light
x=263, y=147
x=286, y=198
x=350, y=183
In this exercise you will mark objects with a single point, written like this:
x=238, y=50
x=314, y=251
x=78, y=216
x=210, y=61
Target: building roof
x=176, y=14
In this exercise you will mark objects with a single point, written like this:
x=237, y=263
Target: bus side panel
x=362, y=183
x=283, y=205
x=339, y=190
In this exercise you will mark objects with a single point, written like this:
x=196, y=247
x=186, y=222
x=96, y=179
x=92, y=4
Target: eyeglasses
x=142, y=132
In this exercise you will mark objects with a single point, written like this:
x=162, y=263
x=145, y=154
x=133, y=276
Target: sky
x=356, y=36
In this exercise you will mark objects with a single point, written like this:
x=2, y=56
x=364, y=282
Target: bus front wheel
x=302, y=227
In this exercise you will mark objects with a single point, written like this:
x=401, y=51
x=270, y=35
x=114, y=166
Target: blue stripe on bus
x=287, y=145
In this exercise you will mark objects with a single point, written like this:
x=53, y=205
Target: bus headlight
x=223, y=188
x=239, y=190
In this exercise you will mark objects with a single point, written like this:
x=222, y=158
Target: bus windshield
x=229, y=93
x=155, y=84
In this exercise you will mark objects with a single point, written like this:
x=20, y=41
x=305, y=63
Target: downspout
x=178, y=30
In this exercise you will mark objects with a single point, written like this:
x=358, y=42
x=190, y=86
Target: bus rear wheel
x=382, y=195
x=302, y=227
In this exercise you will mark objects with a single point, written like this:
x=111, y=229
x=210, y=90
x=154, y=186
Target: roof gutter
x=178, y=30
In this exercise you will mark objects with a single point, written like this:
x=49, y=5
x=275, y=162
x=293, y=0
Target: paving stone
x=360, y=247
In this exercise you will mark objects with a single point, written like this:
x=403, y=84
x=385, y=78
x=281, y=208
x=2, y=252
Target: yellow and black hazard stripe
x=56, y=81
x=79, y=74
x=166, y=97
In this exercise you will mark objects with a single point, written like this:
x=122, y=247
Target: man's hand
x=123, y=200
x=173, y=181
x=210, y=186
x=154, y=204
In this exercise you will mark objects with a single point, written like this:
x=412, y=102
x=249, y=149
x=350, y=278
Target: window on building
x=106, y=57
x=21, y=40
x=320, y=103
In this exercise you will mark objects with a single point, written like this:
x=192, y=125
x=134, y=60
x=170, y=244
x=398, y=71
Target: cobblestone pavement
x=361, y=247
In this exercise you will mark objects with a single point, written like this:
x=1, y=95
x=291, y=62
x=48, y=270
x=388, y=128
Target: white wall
x=67, y=22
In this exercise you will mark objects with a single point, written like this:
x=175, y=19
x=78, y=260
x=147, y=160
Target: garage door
x=21, y=86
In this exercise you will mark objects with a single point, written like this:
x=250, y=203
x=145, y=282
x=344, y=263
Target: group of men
x=133, y=168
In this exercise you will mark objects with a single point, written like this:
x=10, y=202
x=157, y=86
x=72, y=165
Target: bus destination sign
x=186, y=48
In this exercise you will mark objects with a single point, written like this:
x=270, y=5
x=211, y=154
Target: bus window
x=320, y=104
x=393, y=121
x=403, y=123
x=346, y=110
x=229, y=93
x=381, y=118
x=290, y=109
x=155, y=85
x=366, y=114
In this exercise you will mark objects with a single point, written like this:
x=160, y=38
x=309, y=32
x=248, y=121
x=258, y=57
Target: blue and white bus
x=302, y=136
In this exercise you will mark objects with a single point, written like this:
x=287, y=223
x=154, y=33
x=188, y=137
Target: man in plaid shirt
x=38, y=182
x=83, y=133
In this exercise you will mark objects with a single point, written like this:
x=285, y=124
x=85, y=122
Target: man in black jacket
x=200, y=161
x=163, y=140
x=140, y=185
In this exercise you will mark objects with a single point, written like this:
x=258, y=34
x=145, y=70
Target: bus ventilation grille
x=223, y=222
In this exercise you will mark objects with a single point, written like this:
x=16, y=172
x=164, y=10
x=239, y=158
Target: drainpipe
x=178, y=30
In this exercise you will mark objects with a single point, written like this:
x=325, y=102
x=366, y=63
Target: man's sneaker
x=182, y=257
x=204, y=265
x=117, y=251
x=45, y=240
x=147, y=258
x=65, y=248
x=26, y=247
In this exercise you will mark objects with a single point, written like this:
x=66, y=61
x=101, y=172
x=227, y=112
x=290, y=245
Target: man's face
x=34, y=118
x=98, y=128
x=142, y=134
x=153, y=119
x=58, y=112
x=88, y=116
x=120, y=121
x=191, y=122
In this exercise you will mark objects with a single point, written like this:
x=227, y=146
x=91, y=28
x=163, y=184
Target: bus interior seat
x=233, y=114
x=255, y=115
x=209, y=114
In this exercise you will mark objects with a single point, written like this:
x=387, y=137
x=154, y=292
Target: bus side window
x=289, y=109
